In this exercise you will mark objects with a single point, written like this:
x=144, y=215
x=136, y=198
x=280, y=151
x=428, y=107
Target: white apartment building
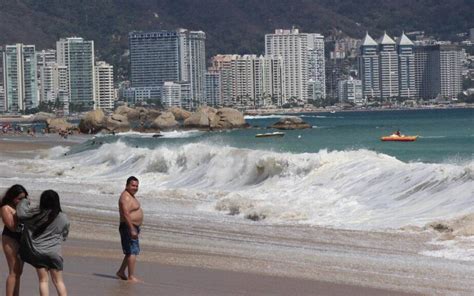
x=350, y=91
x=176, y=94
x=302, y=60
x=249, y=80
x=104, y=86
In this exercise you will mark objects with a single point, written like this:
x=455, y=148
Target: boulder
x=180, y=114
x=165, y=121
x=230, y=118
x=153, y=114
x=55, y=125
x=117, y=123
x=92, y=122
x=130, y=113
x=204, y=118
x=290, y=123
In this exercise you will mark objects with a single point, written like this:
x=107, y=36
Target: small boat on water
x=399, y=138
x=267, y=135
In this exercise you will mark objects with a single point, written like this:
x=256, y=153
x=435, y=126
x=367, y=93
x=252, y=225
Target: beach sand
x=188, y=256
x=90, y=270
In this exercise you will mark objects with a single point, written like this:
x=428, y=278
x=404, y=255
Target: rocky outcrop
x=180, y=114
x=230, y=118
x=92, y=122
x=131, y=113
x=290, y=123
x=210, y=118
x=117, y=123
x=54, y=125
x=165, y=121
x=203, y=118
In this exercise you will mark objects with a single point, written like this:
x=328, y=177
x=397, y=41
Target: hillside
x=232, y=26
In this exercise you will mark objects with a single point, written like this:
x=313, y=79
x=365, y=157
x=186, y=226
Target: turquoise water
x=444, y=135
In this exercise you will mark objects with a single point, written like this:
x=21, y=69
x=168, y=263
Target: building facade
x=104, y=88
x=20, y=83
x=350, y=91
x=77, y=55
x=213, y=88
x=302, y=56
x=438, y=71
x=168, y=56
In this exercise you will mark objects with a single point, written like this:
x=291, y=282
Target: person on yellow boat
x=398, y=133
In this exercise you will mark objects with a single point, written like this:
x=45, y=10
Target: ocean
x=338, y=174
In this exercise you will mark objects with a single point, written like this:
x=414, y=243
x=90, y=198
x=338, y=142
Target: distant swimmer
x=131, y=219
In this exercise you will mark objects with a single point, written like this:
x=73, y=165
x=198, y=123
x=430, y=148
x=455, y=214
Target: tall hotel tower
x=438, y=71
x=388, y=67
x=406, y=67
x=20, y=82
x=77, y=55
x=303, y=57
x=169, y=56
x=369, y=67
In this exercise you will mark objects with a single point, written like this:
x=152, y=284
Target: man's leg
x=132, y=259
x=121, y=272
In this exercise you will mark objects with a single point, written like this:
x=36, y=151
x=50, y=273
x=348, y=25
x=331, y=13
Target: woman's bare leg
x=43, y=281
x=15, y=266
x=58, y=281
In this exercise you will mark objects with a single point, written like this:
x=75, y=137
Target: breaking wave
x=357, y=189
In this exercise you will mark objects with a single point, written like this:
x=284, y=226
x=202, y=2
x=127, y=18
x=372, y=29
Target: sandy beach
x=185, y=255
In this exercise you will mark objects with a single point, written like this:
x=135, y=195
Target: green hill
x=232, y=26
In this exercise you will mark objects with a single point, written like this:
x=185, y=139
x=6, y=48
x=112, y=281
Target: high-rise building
x=406, y=67
x=104, y=86
x=388, y=62
x=44, y=58
x=77, y=55
x=316, y=67
x=20, y=82
x=175, y=94
x=369, y=69
x=172, y=56
x=213, y=88
x=249, y=80
x=302, y=57
x=438, y=71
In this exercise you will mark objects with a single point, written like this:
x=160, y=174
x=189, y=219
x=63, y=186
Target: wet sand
x=90, y=272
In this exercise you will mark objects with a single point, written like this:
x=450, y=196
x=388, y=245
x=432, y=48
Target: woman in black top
x=11, y=237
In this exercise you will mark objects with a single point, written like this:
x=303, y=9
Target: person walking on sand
x=11, y=237
x=45, y=228
x=131, y=219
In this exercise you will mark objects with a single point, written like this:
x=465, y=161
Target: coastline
x=184, y=256
x=296, y=111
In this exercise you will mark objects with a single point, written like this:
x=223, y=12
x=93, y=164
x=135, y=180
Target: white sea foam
x=264, y=116
x=167, y=134
x=358, y=189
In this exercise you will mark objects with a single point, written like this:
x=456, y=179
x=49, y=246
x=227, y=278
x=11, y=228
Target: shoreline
x=193, y=255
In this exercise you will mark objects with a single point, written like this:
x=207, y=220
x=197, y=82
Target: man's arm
x=125, y=209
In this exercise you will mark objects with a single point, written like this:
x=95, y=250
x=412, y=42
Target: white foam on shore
x=461, y=248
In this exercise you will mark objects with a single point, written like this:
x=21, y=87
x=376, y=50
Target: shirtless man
x=131, y=218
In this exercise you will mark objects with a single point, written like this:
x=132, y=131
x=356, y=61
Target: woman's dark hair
x=49, y=201
x=11, y=193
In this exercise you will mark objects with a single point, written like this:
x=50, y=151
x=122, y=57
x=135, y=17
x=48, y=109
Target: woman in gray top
x=44, y=230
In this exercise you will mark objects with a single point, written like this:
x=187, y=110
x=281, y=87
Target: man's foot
x=134, y=280
x=121, y=275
